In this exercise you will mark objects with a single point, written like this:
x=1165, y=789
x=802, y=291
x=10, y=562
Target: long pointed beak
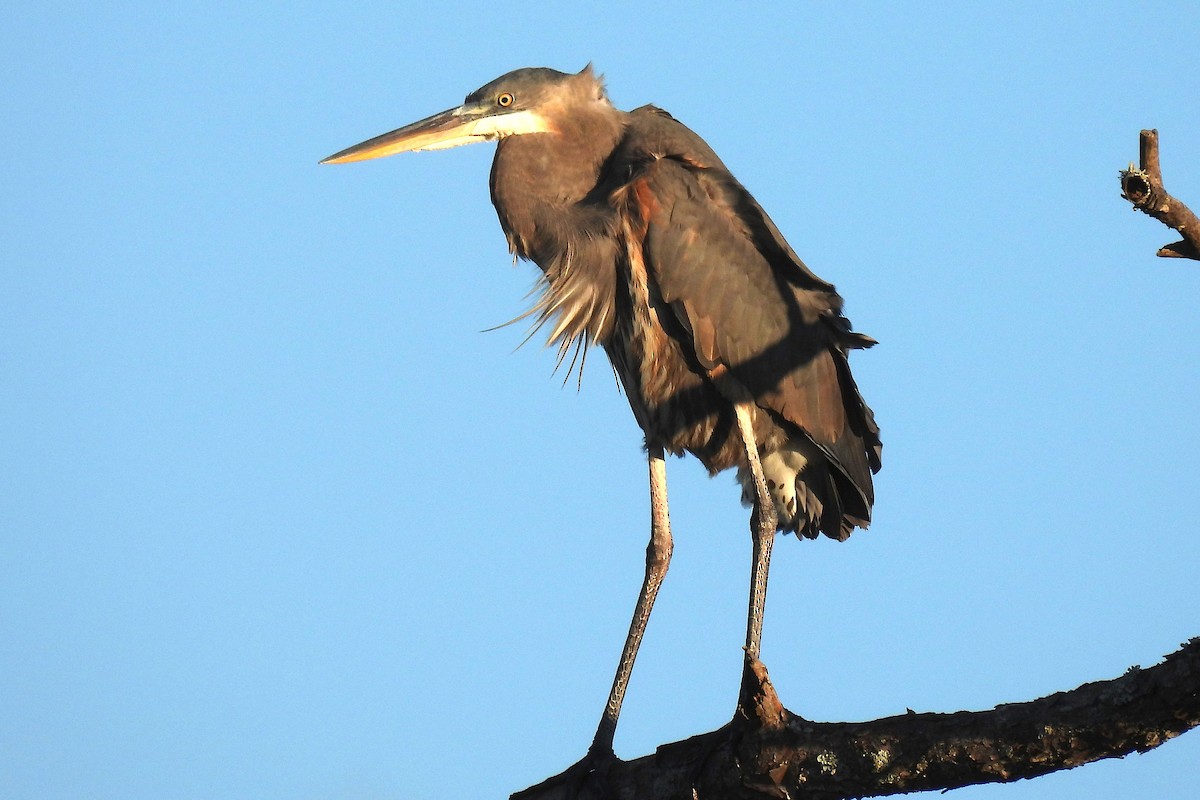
x=450, y=128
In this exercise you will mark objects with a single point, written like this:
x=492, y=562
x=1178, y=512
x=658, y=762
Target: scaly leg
x=658, y=557
x=763, y=521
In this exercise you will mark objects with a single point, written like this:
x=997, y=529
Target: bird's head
x=525, y=101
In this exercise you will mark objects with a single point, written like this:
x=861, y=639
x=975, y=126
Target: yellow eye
x=505, y=99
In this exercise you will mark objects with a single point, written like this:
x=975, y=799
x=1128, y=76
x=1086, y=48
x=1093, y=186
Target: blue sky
x=279, y=520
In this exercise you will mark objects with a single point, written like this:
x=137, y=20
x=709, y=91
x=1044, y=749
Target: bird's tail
x=812, y=496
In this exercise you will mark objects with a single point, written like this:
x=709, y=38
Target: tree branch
x=781, y=755
x=1144, y=188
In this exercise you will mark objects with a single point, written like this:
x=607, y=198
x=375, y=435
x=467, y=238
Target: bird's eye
x=504, y=100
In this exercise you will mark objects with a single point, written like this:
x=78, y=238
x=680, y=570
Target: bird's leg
x=763, y=521
x=589, y=776
x=658, y=557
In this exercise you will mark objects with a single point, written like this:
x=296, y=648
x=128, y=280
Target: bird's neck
x=539, y=180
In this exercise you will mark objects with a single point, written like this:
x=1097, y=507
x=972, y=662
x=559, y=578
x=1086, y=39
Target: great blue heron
x=727, y=345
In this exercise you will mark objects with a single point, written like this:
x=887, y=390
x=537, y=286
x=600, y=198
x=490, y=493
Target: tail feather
x=811, y=495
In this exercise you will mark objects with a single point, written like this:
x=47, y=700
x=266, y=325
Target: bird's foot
x=757, y=702
x=586, y=779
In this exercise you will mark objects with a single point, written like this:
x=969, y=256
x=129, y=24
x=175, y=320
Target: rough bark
x=1143, y=187
x=772, y=753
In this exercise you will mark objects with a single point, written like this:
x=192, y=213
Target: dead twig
x=1143, y=187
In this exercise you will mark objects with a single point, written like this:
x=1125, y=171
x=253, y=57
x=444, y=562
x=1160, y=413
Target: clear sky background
x=279, y=520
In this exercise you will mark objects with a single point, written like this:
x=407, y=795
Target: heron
x=726, y=345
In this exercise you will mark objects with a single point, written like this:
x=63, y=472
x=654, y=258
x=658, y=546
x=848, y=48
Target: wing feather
x=748, y=304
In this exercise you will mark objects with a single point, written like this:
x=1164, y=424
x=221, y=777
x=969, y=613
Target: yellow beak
x=451, y=128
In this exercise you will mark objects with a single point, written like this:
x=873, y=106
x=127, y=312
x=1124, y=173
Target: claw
x=586, y=779
x=758, y=700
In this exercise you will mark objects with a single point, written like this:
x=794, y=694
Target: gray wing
x=746, y=301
